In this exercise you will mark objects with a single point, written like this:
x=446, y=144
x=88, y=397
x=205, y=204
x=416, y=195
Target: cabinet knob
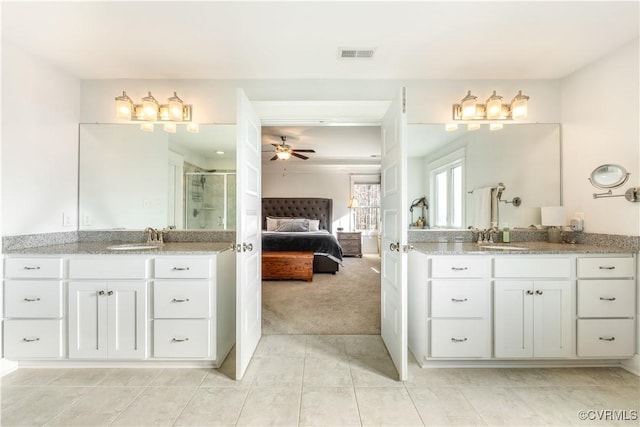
x=607, y=298
x=30, y=339
x=179, y=339
x=539, y=292
x=458, y=339
x=110, y=293
x=100, y=292
x=27, y=299
x=607, y=338
x=529, y=292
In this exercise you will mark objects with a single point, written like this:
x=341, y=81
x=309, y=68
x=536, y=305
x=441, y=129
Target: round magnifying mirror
x=609, y=176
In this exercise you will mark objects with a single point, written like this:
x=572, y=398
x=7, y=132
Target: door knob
x=247, y=247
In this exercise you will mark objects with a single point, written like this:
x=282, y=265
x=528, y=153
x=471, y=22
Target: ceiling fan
x=284, y=151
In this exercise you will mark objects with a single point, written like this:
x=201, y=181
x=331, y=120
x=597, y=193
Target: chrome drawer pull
x=30, y=339
x=26, y=267
x=602, y=267
x=607, y=338
x=110, y=293
x=179, y=339
x=31, y=299
x=180, y=300
x=100, y=292
x=180, y=269
x=458, y=300
x=607, y=299
x=539, y=292
x=459, y=268
x=458, y=339
x=529, y=292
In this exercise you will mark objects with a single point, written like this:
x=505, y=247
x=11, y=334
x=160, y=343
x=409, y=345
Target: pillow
x=314, y=225
x=272, y=222
x=295, y=225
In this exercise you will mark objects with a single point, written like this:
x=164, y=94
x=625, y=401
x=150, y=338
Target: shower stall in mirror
x=210, y=200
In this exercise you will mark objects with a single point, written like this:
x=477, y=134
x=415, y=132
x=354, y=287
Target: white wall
x=600, y=114
x=39, y=144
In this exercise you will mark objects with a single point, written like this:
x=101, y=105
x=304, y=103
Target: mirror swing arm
x=611, y=176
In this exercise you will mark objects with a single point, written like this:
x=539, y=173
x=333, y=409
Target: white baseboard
x=7, y=366
x=632, y=365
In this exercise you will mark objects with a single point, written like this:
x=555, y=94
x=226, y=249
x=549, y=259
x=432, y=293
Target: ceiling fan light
x=283, y=155
x=519, y=106
x=494, y=106
x=468, y=106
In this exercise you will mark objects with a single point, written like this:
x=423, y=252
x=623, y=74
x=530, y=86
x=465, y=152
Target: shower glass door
x=210, y=201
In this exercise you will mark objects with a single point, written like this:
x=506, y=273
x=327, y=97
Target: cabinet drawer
x=181, y=338
x=606, y=337
x=455, y=299
x=34, y=299
x=108, y=267
x=349, y=236
x=32, y=339
x=179, y=299
x=183, y=268
x=461, y=267
x=531, y=267
x=605, y=267
x=33, y=268
x=460, y=338
x=606, y=298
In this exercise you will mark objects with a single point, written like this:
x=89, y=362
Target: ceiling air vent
x=351, y=53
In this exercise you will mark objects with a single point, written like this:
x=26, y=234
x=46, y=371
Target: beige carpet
x=342, y=304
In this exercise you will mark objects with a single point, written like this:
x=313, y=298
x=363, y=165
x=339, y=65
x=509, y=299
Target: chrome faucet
x=152, y=234
x=491, y=233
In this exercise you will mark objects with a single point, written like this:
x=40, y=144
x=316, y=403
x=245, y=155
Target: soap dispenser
x=506, y=238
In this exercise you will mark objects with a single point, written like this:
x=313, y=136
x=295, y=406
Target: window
x=447, y=195
x=367, y=214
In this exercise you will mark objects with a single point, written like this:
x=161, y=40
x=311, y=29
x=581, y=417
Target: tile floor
x=318, y=380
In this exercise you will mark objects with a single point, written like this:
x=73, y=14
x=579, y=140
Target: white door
x=248, y=237
x=88, y=320
x=394, y=234
x=513, y=318
x=552, y=319
x=126, y=314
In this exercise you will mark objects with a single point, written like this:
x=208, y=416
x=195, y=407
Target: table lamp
x=554, y=218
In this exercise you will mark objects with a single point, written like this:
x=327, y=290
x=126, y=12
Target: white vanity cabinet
x=108, y=307
x=533, y=307
x=606, y=306
x=193, y=306
x=33, y=308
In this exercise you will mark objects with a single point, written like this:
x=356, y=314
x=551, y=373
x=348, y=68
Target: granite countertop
x=102, y=248
x=468, y=248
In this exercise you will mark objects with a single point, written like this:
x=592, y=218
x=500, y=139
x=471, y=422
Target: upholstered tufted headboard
x=298, y=207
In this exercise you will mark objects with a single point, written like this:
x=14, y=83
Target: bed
x=325, y=247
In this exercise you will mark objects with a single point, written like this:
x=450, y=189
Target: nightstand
x=351, y=242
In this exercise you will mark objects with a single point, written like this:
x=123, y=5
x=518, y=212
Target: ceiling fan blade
x=274, y=157
x=275, y=145
x=303, y=151
x=299, y=156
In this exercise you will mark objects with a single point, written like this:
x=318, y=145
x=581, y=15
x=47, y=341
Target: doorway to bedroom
x=344, y=165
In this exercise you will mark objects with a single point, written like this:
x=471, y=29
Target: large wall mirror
x=524, y=157
x=131, y=179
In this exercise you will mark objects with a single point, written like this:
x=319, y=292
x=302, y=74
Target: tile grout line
x=414, y=403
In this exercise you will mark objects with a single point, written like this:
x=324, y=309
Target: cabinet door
x=127, y=314
x=513, y=317
x=88, y=320
x=552, y=319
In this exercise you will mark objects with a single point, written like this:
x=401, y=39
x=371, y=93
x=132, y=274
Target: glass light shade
x=495, y=126
x=193, y=128
x=164, y=113
x=449, y=127
x=353, y=203
x=170, y=127
x=468, y=105
x=494, y=106
x=150, y=108
x=175, y=108
x=519, y=107
x=147, y=127
x=473, y=126
x=283, y=155
x=124, y=105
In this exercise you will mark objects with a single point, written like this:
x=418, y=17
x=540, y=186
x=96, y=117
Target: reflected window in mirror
x=446, y=193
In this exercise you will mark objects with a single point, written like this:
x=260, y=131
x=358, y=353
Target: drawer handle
x=607, y=299
x=26, y=267
x=30, y=339
x=458, y=339
x=458, y=300
x=459, y=268
x=607, y=338
x=180, y=269
x=31, y=299
x=602, y=267
x=179, y=339
x=180, y=300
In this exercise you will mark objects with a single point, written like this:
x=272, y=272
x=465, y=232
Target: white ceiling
x=299, y=39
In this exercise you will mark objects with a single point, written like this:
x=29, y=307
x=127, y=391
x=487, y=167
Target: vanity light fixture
x=150, y=110
x=450, y=127
x=193, y=128
x=495, y=126
x=473, y=126
x=493, y=109
x=147, y=127
x=170, y=127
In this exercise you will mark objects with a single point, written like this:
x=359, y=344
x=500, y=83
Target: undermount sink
x=505, y=247
x=132, y=247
